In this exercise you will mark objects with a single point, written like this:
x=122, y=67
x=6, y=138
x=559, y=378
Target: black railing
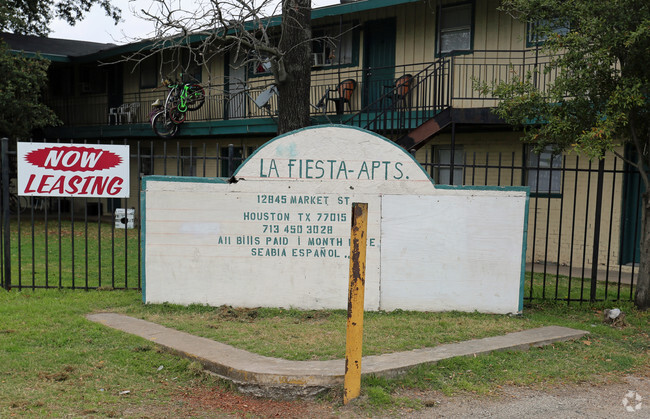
x=92, y=243
x=78, y=243
x=376, y=101
x=408, y=102
x=583, y=219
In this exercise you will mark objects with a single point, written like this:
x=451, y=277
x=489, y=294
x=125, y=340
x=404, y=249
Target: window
x=149, y=72
x=93, y=79
x=442, y=165
x=61, y=80
x=146, y=159
x=455, y=30
x=538, y=32
x=333, y=45
x=191, y=69
x=542, y=178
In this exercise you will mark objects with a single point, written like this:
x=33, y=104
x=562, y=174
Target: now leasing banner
x=95, y=171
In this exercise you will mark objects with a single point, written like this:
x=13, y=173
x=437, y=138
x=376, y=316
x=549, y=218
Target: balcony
x=386, y=100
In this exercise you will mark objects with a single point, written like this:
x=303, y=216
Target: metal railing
x=375, y=102
x=582, y=235
x=583, y=225
x=83, y=243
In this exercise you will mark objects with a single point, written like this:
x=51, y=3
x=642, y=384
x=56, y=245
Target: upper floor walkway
x=384, y=99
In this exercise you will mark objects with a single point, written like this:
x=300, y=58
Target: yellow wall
x=570, y=210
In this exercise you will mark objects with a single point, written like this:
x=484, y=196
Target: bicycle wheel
x=163, y=126
x=195, y=97
x=177, y=116
x=14, y=204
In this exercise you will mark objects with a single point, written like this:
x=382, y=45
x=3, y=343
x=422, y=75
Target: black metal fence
x=584, y=218
x=91, y=243
x=582, y=232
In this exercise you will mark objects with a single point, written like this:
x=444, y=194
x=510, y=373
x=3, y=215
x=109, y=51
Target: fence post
x=597, y=221
x=5, y=212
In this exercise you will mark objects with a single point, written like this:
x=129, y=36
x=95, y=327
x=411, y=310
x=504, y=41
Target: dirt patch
x=236, y=405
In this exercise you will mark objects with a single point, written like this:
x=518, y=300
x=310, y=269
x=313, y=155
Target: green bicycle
x=182, y=97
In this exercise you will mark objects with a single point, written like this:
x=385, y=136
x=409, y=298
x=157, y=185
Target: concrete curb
x=281, y=378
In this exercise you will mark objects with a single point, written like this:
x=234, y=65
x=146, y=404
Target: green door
x=631, y=223
x=378, y=59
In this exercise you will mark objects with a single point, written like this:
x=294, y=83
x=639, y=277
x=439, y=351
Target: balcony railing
x=376, y=99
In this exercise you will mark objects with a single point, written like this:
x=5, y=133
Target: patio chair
x=128, y=111
x=112, y=113
x=345, y=89
x=400, y=92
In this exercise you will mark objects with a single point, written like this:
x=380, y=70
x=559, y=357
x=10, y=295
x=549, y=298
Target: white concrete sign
x=90, y=171
x=279, y=235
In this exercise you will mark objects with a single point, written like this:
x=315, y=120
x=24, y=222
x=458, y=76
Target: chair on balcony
x=399, y=94
x=113, y=113
x=345, y=89
x=128, y=111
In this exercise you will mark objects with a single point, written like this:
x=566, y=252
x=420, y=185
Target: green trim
x=354, y=7
x=244, y=126
x=143, y=239
x=374, y=134
x=39, y=55
x=524, y=247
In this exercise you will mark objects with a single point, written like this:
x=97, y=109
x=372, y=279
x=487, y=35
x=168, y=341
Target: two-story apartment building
x=415, y=66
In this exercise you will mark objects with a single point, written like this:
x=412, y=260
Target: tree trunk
x=295, y=81
x=642, y=294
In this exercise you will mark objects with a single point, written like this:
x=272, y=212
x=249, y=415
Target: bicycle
x=161, y=124
x=182, y=97
x=17, y=204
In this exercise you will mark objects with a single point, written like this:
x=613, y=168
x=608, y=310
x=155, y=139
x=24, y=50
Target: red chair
x=345, y=89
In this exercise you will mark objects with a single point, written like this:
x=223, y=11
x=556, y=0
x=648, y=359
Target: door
x=115, y=83
x=631, y=223
x=236, y=97
x=378, y=60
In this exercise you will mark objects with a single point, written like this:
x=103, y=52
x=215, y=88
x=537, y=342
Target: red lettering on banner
x=87, y=185
x=29, y=185
x=73, y=158
x=43, y=184
x=73, y=184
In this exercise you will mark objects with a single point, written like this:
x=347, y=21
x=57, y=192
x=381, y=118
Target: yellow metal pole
x=354, y=331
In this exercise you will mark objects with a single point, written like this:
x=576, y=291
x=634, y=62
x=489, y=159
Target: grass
x=562, y=287
x=73, y=254
x=53, y=362
x=80, y=254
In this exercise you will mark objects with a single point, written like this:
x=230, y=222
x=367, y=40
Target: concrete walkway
x=280, y=378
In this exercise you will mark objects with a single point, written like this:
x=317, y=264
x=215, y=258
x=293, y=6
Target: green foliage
x=34, y=16
x=24, y=81
x=599, y=94
x=599, y=98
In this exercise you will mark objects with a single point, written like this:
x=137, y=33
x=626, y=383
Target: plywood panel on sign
x=465, y=254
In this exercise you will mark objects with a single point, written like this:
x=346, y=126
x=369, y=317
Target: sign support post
x=354, y=331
